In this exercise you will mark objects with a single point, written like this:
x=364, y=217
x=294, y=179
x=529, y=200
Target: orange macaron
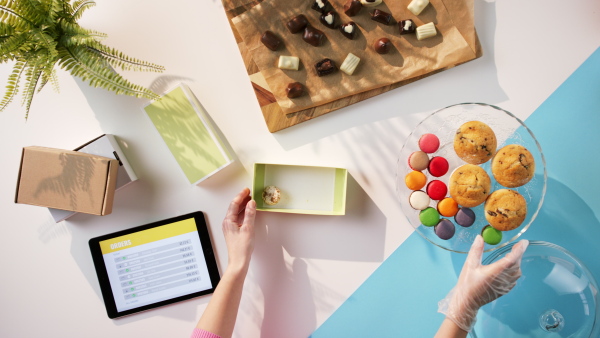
x=447, y=207
x=415, y=180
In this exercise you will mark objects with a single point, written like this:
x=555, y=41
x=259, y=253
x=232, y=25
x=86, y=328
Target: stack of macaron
x=427, y=192
x=469, y=185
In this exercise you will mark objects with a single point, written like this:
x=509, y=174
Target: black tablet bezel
x=102, y=274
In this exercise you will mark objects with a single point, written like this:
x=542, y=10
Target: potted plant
x=39, y=35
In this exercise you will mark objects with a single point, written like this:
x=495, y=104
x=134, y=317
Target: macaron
x=491, y=235
x=418, y=160
x=429, y=143
x=419, y=200
x=437, y=190
x=429, y=217
x=438, y=166
x=447, y=207
x=465, y=217
x=415, y=180
x=444, y=229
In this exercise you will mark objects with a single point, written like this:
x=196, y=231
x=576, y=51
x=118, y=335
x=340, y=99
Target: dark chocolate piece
x=322, y=6
x=382, y=46
x=294, y=90
x=297, y=24
x=381, y=17
x=325, y=67
x=313, y=36
x=270, y=40
x=407, y=27
x=352, y=7
x=349, y=30
x=329, y=19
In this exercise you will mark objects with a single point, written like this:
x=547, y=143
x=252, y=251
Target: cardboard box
x=304, y=189
x=186, y=129
x=66, y=180
x=105, y=145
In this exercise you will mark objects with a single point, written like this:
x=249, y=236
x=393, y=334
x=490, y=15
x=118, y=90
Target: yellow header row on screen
x=148, y=236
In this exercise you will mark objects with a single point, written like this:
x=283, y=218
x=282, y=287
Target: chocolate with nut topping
x=270, y=40
x=381, y=17
x=325, y=67
x=313, y=36
x=349, y=30
x=297, y=24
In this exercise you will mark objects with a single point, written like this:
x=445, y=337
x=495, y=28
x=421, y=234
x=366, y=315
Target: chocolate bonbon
x=382, y=46
x=328, y=19
x=349, y=30
x=350, y=64
x=426, y=31
x=325, y=67
x=294, y=90
x=352, y=7
x=381, y=17
x=371, y=3
x=407, y=27
x=288, y=62
x=270, y=40
x=321, y=6
x=313, y=36
x=297, y=24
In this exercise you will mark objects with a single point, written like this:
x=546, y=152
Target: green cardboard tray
x=304, y=189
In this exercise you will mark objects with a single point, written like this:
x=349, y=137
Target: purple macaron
x=465, y=217
x=444, y=229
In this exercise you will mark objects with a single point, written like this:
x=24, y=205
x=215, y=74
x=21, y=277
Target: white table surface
x=303, y=266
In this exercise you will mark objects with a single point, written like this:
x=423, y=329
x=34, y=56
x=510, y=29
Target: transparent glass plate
x=556, y=296
x=444, y=123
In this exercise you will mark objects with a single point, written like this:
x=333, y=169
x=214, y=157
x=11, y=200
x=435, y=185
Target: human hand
x=238, y=229
x=480, y=284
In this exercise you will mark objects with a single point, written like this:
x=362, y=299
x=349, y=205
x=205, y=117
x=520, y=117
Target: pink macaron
x=437, y=190
x=438, y=166
x=429, y=143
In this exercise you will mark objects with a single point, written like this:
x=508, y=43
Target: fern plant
x=39, y=35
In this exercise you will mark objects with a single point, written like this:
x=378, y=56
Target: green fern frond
x=13, y=46
x=118, y=59
x=32, y=78
x=13, y=17
x=80, y=6
x=13, y=84
x=46, y=41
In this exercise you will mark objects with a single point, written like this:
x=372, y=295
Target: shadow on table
x=477, y=82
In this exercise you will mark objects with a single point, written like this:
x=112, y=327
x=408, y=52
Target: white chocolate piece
x=289, y=62
x=349, y=29
x=320, y=4
x=426, y=31
x=417, y=6
x=350, y=64
x=329, y=19
x=407, y=25
x=370, y=4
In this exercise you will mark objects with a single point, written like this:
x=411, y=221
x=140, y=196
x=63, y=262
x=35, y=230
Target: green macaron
x=429, y=217
x=491, y=235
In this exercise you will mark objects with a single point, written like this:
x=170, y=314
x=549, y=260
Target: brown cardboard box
x=67, y=180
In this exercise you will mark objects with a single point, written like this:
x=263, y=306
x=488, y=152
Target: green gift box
x=304, y=189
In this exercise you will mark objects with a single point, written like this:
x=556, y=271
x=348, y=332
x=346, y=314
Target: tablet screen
x=155, y=264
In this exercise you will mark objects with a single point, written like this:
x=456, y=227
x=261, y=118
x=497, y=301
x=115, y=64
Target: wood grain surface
x=274, y=117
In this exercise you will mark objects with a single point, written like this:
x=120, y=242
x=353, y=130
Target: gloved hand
x=480, y=284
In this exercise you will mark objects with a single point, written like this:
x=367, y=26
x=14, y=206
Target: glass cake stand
x=444, y=123
x=556, y=296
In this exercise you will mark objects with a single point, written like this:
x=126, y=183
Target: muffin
x=475, y=142
x=505, y=209
x=469, y=185
x=513, y=166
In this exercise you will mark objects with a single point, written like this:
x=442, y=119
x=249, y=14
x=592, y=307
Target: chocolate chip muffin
x=505, y=209
x=513, y=166
x=469, y=185
x=475, y=142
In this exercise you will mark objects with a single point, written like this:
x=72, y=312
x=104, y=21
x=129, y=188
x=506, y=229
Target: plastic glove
x=480, y=284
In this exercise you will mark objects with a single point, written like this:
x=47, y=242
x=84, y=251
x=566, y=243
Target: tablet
x=155, y=264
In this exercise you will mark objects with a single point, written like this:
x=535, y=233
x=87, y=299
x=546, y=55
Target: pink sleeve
x=199, y=333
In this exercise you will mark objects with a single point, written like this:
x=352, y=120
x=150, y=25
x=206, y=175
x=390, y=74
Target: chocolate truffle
x=349, y=30
x=313, y=36
x=297, y=24
x=352, y=7
x=271, y=195
x=325, y=67
x=294, y=90
x=381, y=17
x=407, y=27
x=382, y=46
x=371, y=3
x=321, y=6
x=328, y=19
x=270, y=40
x=444, y=229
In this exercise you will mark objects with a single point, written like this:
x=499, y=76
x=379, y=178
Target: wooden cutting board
x=274, y=117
